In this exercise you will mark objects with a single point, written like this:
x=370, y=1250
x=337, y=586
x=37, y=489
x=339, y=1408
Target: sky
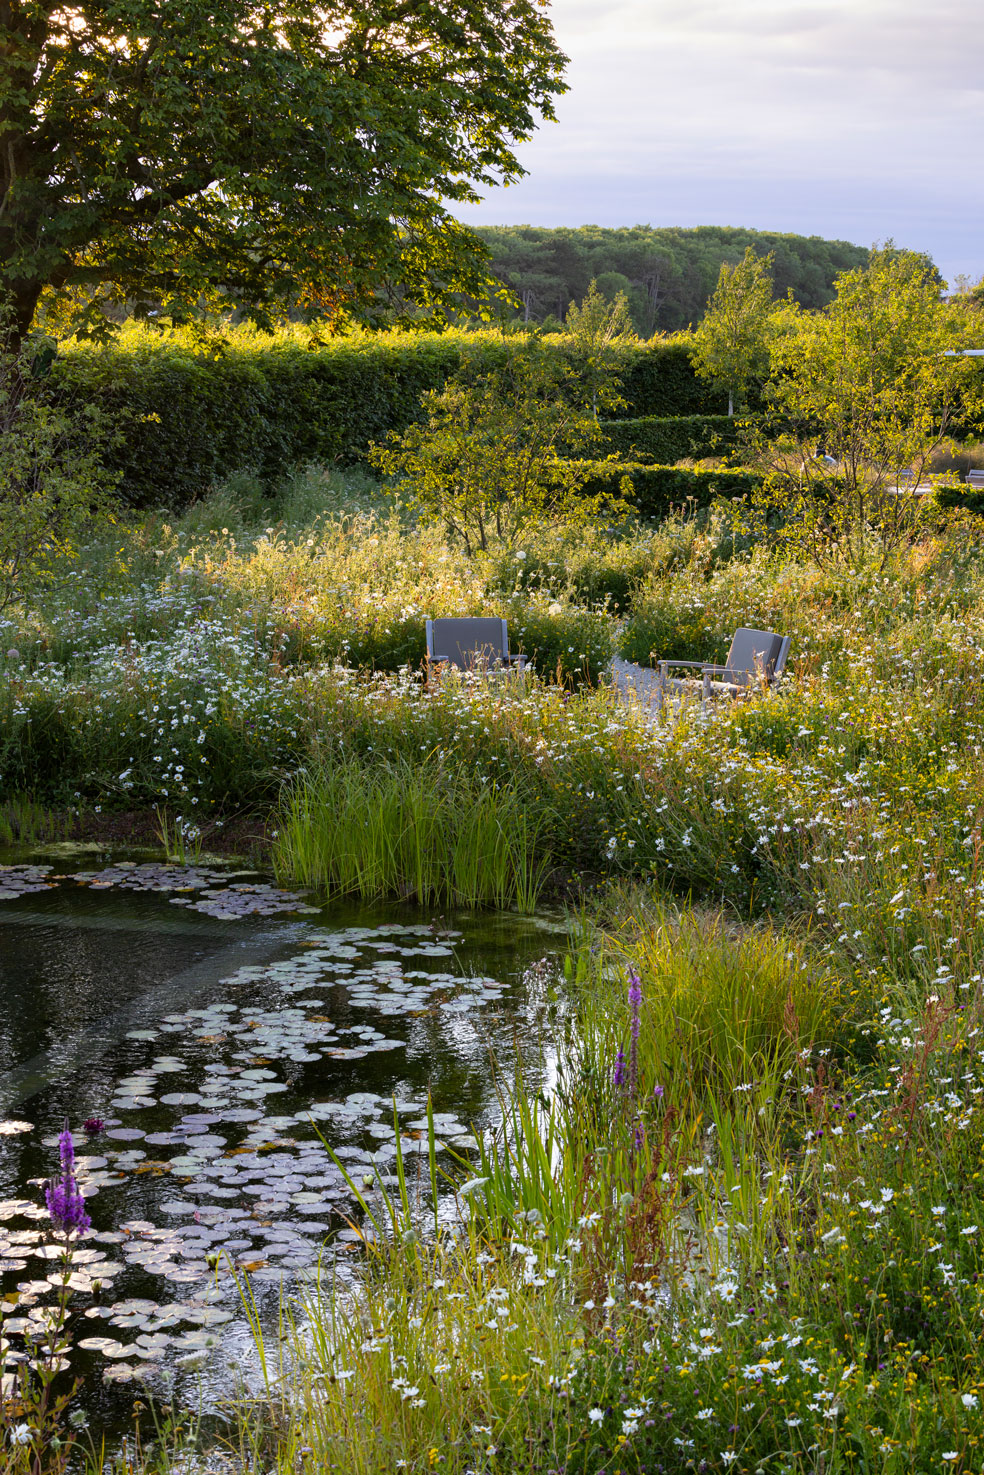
x=858, y=120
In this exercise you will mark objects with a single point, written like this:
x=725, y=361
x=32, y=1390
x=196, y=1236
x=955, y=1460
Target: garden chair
x=756, y=658
x=471, y=645
x=976, y=479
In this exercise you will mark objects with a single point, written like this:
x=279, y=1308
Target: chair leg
x=705, y=693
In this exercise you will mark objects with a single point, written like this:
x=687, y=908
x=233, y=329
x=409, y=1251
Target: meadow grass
x=428, y=832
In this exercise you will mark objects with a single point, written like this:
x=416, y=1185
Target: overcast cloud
x=860, y=121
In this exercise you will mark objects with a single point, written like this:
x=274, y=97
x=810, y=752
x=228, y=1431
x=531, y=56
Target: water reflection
x=224, y=1056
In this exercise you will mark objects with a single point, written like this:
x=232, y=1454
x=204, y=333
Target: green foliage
x=190, y=415
x=595, y=330
x=187, y=413
x=660, y=380
x=492, y=457
x=669, y=439
x=663, y=628
x=863, y=392
x=731, y=341
x=53, y=487
x=258, y=159
x=422, y=830
x=656, y=491
x=666, y=273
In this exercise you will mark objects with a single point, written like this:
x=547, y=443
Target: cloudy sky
x=853, y=119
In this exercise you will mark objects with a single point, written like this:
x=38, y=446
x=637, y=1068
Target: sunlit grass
x=429, y=832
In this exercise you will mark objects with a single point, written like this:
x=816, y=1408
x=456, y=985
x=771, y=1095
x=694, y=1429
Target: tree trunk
x=24, y=302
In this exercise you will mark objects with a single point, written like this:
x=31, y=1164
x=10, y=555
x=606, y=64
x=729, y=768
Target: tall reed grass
x=431, y=833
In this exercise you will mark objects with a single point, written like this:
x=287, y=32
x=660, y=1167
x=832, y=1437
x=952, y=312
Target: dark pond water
x=221, y=1029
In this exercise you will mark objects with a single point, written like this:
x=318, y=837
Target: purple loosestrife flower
x=64, y=1201
x=635, y=1002
x=621, y=1075
x=66, y=1149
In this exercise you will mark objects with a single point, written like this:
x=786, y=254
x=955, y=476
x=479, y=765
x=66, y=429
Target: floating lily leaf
x=122, y=1372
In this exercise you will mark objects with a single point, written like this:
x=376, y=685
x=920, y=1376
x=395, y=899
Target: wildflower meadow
x=735, y=1224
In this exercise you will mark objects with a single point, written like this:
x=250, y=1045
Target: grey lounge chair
x=471, y=645
x=975, y=479
x=756, y=657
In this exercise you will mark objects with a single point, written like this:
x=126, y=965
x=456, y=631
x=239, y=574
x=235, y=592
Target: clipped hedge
x=187, y=419
x=665, y=439
x=660, y=380
x=189, y=414
x=656, y=490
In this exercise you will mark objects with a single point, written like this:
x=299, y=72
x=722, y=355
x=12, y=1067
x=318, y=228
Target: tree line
x=667, y=273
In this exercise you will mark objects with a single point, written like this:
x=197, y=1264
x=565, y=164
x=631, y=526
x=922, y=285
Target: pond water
x=223, y=1031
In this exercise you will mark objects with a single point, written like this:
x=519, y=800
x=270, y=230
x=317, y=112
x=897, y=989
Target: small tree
x=498, y=455
x=595, y=330
x=52, y=485
x=863, y=392
x=730, y=345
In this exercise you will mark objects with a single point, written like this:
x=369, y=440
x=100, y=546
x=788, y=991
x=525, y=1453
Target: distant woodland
x=666, y=273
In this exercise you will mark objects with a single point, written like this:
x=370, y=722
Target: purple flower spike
x=621, y=1074
x=63, y=1199
x=66, y=1150
x=66, y=1206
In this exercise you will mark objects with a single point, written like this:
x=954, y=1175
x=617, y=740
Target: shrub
x=490, y=457
x=660, y=380
x=52, y=486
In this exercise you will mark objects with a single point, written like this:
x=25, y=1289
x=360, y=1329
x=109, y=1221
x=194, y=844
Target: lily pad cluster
x=25, y=880
x=220, y=894
x=213, y=1124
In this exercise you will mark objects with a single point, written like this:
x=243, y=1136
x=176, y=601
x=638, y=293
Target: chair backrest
x=756, y=653
x=469, y=644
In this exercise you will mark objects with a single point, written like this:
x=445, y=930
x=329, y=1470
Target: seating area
x=757, y=658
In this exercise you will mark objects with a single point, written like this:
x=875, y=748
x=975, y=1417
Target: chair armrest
x=696, y=664
x=517, y=660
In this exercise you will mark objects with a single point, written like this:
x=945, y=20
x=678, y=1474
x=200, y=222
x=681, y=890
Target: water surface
x=224, y=1032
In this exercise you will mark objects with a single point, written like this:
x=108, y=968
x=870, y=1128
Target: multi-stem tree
x=498, y=454
x=862, y=393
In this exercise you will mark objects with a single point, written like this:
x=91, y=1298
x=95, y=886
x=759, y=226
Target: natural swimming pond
x=216, y=1033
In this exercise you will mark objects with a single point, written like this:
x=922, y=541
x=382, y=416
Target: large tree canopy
x=163, y=150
